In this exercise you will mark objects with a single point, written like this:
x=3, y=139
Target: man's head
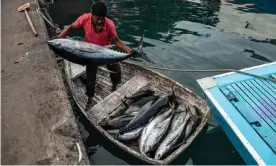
x=99, y=12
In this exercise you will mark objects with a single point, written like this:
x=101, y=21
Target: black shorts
x=91, y=72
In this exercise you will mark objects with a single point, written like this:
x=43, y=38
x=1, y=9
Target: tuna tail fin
x=141, y=54
x=140, y=44
x=172, y=96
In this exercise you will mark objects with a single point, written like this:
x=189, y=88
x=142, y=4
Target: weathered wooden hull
x=76, y=81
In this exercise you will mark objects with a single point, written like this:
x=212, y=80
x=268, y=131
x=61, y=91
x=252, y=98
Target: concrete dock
x=37, y=123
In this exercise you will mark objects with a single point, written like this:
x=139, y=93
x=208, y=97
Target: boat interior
x=134, y=78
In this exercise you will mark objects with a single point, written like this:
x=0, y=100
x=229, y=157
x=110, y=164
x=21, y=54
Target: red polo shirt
x=85, y=22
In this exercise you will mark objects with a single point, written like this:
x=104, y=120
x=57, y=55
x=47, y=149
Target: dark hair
x=99, y=9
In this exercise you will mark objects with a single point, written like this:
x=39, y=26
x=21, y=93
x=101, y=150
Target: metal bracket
x=231, y=97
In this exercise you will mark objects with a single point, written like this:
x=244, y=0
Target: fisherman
x=98, y=30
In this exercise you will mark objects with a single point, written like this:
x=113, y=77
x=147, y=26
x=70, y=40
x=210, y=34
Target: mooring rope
x=212, y=70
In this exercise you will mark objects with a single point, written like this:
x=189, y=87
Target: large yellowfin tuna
x=84, y=53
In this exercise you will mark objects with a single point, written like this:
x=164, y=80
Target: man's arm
x=65, y=31
x=77, y=24
x=120, y=44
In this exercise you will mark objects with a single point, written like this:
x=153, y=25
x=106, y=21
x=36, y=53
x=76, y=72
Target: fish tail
x=172, y=106
x=173, y=91
x=116, y=136
x=140, y=51
x=172, y=96
x=140, y=44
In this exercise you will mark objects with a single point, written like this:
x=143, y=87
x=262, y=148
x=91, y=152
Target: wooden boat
x=134, y=78
x=245, y=107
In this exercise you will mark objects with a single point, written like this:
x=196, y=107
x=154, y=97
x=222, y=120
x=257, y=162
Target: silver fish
x=187, y=117
x=148, y=111
x=170, y=141
x=136, y=120
x=141, y=93
x=135, y=107
x=132, y=108
x=154, y=131
x=175, y=134
x=133, y=113
x=192, y=122
x=84, y=53
x=131, y=135
x=113, y=131
x=193, y=110
x=179, y=117
x=121, y=109
x=120, y=121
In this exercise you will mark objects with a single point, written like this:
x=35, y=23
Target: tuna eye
x=57, y=44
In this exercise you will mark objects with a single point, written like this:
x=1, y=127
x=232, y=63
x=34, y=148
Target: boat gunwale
x=124, y=147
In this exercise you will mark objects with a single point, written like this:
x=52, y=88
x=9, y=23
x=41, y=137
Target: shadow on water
x=178, y=34
x=254, y=55
x=255, y=6
x=212, y=148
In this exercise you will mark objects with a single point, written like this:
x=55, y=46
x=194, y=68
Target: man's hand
x=134, y=53
x=131, y=52
x=66, y=31
x=120, y=44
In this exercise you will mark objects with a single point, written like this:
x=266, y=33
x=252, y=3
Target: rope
x=80, y=154
x=212, y=70
x=49, y=22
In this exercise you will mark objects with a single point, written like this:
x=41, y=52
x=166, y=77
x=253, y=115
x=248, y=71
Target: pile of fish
x=159, y=123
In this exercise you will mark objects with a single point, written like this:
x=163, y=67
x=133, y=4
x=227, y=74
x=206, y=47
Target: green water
x=179, y=34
